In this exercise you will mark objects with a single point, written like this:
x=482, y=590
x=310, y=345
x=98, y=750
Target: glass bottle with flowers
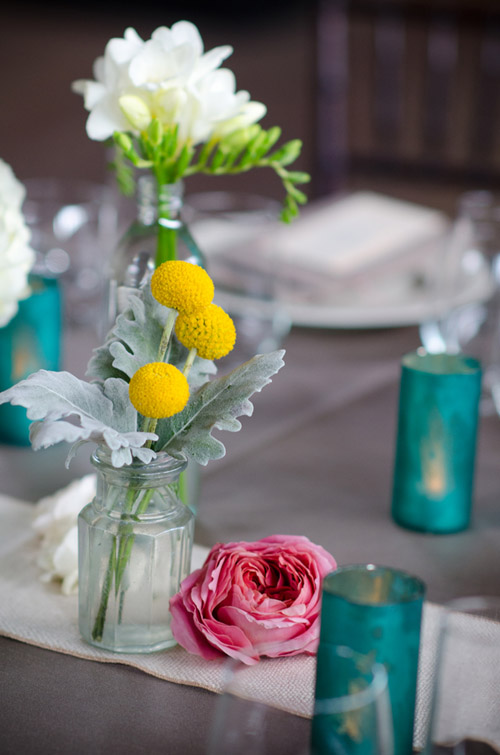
x=173, y=112
x=153, y=403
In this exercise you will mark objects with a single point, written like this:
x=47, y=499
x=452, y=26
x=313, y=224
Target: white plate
x=361, y=261
x=357, y=315
x=408, y=297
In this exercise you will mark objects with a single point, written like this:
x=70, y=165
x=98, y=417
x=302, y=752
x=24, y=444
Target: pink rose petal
x=253, y=599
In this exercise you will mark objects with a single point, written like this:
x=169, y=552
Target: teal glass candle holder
x=29, y=342
x=436, y=442
x=376, y=611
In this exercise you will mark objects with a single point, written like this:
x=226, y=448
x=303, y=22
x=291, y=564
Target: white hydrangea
x=56, y=523
x=168, y=77
x=16, y=255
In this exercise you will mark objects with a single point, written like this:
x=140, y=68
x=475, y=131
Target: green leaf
x=135, y=340
x=216, y=406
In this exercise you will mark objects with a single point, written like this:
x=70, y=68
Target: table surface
x=315, y=459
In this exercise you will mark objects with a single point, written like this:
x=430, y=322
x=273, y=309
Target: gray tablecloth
x=315, y=459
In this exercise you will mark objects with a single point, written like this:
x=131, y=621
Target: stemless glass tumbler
x=436, y=441
x=352, y=711
x=376, y=611
x=245, y=725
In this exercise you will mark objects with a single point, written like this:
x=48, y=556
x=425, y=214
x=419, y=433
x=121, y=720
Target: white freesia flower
x=168, y=77
x=16, y=255
x=56, y=522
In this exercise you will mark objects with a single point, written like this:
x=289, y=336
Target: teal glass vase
x=436, y=442
x=134, y=549
x=31, y=341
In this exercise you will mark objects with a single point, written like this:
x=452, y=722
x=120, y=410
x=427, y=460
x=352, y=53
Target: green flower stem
x=189, y=361
x=167, y=332
x=166, y=245
x=123, y=541
x=116, y=566
x=149, y=426
x=127, y=539
x=98, y=628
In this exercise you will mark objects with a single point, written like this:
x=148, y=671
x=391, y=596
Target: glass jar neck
x=153, y=200
x=163, y=470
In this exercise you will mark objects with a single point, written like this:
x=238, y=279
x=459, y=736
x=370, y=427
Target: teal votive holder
x=436, y=442
x=376, y=611
x=29, y=342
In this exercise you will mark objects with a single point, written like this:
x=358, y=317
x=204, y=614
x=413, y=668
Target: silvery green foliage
x=135, y=340
x=216, y=406
x=98, y=413
x=65, y=408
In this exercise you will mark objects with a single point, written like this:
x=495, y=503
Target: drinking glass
x=245, y=725
x=73, y=229
x=352, y=711
x=232, y=230
x=467, y=307
x=466, y=699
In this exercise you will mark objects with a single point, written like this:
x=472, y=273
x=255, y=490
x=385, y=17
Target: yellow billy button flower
x=210, y=331
x=158, y=390
x=182, y=286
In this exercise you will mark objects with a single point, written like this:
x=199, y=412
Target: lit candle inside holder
x=436, y=442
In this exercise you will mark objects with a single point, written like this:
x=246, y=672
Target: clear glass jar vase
x=157, y=234
x=135, y=542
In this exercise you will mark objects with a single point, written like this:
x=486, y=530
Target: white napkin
x=346, y=236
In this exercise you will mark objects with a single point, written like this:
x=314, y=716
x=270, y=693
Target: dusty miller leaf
x=135, y=340
x=217, y=405
x=98, y=413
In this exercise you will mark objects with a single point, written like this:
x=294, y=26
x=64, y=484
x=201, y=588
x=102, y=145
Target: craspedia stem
x=149, y=426
x=165, y=337
x=189, y=361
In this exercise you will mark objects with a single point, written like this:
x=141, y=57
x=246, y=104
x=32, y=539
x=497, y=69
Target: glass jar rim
x=157, y=469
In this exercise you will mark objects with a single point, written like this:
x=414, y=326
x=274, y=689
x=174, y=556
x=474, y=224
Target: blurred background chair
x=408, y=97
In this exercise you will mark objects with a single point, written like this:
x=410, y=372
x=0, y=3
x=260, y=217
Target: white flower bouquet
x=16, y=255
x=172, y=110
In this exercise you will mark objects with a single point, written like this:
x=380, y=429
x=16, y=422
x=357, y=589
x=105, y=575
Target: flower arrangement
x=143, y=376
x=16, y=255
x=171, y=110
x=253, y=599
x=152, y=392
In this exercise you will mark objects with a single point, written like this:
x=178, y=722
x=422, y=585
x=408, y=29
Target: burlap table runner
x=39, y=614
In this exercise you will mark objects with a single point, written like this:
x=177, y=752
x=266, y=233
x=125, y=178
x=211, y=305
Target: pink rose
x=253, y=599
